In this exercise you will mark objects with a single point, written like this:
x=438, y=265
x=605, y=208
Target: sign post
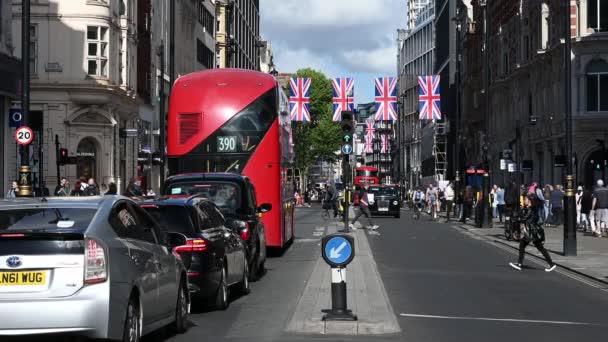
x=348, y=130
x=338, y=250
x=24, y=136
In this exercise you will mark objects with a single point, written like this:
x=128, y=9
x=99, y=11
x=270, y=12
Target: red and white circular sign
x=24, y=135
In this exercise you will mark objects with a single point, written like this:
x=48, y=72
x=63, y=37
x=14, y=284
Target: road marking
x=498, y=319
x=318, y=233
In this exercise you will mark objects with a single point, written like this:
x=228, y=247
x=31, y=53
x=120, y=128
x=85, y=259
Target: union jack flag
x=299, y=100
x=370, y=129
x=344, y=96
x=430, y=98
x=385, y=143
x=386, y=98
x=368, y=148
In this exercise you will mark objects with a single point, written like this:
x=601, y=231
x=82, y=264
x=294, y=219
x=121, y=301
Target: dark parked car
x=235, y=195
x=387, y=200
x=213, y=254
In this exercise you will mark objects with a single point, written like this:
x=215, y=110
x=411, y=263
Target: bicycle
x=324, y=211
x=417, y=207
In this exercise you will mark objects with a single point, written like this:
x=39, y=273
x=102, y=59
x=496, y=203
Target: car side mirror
x=264, y=208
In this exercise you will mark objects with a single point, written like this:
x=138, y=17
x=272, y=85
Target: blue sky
x=342, y=38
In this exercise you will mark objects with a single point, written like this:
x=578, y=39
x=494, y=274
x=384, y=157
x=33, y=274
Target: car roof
x=176, y=201
x=85, y=202
x=207, y=176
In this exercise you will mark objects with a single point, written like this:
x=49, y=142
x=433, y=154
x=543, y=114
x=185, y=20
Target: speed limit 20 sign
x=24, y=135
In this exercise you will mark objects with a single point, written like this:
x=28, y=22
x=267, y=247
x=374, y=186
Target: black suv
x=235, y=196
x=213, y=254
x=387, y=200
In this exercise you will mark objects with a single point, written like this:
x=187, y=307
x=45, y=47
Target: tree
x=319, y=138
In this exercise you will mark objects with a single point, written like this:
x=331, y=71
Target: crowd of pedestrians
x=88, y=187
x=547, y=202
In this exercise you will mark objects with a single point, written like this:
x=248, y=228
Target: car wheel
x=221, y=297
x=181, y=311
x=254, y=273
x=244, y=288
x=132, y=330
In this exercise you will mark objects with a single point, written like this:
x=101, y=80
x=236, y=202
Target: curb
x=560, y=264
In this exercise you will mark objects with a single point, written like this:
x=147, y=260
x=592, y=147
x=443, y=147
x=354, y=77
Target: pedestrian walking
x=14, y=190
x=600, y=206
x=577, y=198
x=449, y=201
x=364, y=210
x=63, y=189
x=77, y=191
x=557, y=205
x=547, y=195
x=112, y=189
x=532, y=232
x=500, y=203
x=92, y=189
x=586, y=201
x=467, y=204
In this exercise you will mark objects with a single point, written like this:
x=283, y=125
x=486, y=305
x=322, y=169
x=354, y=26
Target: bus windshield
x=229, y=148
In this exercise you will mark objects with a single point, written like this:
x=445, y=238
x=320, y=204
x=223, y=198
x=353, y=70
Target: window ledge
x=98, y=3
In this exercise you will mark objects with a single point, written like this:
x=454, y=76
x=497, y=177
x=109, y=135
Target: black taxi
x=384, y=200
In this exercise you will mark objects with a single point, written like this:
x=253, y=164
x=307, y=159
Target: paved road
x=461, y=285
x=434, y=269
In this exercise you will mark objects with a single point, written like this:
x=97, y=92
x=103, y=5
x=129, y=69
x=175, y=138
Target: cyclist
x=418, y=199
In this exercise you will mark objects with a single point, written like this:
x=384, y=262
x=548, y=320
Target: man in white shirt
x=449, y=200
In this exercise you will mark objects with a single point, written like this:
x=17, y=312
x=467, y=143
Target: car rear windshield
x=171, y=218
x=383, y=191
x=45, y=220
x=225, y=195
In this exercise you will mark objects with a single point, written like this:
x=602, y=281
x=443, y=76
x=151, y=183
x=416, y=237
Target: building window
x=204, y=55
x=33, y=49
x=598, y=15
x=597, y=86
x=205, y=18
x=97, y=51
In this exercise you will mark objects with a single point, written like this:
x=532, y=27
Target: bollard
x=338, y=250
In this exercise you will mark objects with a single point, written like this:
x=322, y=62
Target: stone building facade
x=527, y=86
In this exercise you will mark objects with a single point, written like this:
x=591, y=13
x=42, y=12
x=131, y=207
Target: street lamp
x=569, y=203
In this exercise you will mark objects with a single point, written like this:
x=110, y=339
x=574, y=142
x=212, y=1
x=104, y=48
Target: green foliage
x=321, y=137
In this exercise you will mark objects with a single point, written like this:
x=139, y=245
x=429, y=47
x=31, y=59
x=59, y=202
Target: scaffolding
x=440, y=142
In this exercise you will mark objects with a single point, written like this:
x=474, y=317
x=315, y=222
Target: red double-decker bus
x=234, y=120
x=366, y=175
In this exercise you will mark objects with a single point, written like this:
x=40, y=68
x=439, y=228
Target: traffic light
x=348, y=129
x=63, y=156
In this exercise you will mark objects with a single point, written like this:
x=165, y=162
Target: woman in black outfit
x=532, y=232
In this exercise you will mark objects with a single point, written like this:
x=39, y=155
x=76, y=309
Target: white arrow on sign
x=335, y=252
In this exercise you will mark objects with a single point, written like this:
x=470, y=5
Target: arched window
x=597, y=86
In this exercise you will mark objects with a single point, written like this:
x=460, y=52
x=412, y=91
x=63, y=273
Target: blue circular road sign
x=338, y=249
x=347, y=149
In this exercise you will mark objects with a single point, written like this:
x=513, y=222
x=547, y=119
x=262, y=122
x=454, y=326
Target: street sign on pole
x=347, y=149
x=338, y=250
x=24, y=135
x=15, y=118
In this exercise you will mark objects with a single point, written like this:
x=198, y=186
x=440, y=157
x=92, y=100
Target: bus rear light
x=95, y=266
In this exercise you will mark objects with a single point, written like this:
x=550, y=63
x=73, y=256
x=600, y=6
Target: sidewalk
x=592, y=252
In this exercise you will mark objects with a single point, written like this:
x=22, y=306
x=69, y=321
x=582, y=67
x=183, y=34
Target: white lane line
x=497, y=319
x=318, y=233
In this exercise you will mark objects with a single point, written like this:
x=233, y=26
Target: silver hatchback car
x=93, y=266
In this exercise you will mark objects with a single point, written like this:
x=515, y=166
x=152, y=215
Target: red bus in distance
x=236, y=120
x=366, y=175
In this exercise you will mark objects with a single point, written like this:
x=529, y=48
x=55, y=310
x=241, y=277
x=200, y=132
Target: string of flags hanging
x=385, y=98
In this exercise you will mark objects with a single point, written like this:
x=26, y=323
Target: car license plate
x=23, y=278
x=382, y=209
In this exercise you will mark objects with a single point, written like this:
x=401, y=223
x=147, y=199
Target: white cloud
x=382, y=61
x=334, y=13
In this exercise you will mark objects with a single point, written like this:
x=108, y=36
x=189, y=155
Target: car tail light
x=245, y=233
x=194, y=245
x=95, y=266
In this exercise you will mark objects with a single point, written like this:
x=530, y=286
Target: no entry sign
x=24, y=135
